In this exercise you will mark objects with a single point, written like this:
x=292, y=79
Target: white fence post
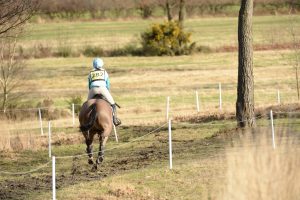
x=49, y=138
x=278, y=97
x=220, y=96
x=73, y=113
x=116, y=135
x=168, y=108
x=197, y=101
x=273, y=131
x=41, y=122
x=170, y=145
x=53, y=179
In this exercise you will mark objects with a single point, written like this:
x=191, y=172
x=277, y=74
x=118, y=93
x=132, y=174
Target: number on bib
x=97, y=75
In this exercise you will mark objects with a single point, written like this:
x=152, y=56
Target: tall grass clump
x=256, y=171
x=93, y=51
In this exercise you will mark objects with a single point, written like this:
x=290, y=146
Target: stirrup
x=117, y=121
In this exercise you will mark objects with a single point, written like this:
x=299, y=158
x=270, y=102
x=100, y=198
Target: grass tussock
x=255, y=170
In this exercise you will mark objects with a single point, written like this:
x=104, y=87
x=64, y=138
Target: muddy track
x=19, y=189
x=80, y=171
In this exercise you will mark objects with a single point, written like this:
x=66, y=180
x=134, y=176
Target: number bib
x=97, y=75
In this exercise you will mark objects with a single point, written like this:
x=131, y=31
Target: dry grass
x=256, y=171
x=16, y=136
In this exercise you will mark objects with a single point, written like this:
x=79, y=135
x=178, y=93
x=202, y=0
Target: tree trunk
x=168, y=8
x=245, y=89
x=181, y=14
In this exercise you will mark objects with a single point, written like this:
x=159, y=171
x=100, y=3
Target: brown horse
x=95, y=117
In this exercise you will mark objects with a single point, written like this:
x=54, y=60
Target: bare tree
x=14, y=13
x=245, y=89
x=168, y=10
x=295, y=60
x=11, y=71
x=181, y=14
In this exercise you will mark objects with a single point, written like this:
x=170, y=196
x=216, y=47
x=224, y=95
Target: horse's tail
x=91, y=120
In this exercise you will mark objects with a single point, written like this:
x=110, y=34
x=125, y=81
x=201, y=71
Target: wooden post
x=53, y=179
x=168, y=108
x=273, y=131
x=49, y=138
x=73, y=114
x=220, y=96
x=170, y=145
x=41, y=121
x=197, y=101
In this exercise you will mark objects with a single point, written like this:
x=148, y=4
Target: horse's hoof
x=99, y=160
x=90, y=161
x=95, y=167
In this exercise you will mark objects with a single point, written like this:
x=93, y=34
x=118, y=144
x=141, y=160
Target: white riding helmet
x=98, y=63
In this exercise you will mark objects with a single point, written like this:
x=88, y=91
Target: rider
x=99, y=84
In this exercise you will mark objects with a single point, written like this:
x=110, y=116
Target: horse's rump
x=90, y=111
x=92, y=116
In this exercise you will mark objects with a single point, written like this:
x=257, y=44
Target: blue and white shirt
x=98, y=78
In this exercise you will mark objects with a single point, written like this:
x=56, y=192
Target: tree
x=294, y=59
x=245, y=89
x=14, y=13
x=168, y=10
x=11, y=72
x=181, y=13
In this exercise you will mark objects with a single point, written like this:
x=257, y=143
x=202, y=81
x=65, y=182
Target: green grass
x=213, y=32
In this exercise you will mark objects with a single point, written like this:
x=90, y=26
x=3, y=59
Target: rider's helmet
x=98, y=63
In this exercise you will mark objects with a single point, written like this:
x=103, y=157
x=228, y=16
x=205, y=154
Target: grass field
x=152, y=79
x=206, y=154
x=212, y=32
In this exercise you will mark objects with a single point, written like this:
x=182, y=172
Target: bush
x=77, y=101
x=166, y=39
x=49, y=112
x=128, y=50
x=64, y=51
x=91, y=51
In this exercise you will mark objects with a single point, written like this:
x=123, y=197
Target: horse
x=95, y=117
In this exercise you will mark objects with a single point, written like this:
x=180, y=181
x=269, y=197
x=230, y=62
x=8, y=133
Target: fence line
x=134, y=140
x=26, y=172
x=228, y=123
x=121, y=145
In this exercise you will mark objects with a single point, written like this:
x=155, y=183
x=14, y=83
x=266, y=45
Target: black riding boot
x=116, y=121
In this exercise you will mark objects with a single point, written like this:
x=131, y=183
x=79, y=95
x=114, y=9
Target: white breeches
x=101, y=90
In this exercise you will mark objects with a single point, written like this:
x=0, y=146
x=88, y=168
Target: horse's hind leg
x=102, y=142
x=89, y=147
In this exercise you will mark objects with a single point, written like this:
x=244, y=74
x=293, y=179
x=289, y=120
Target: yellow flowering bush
x=167, y=38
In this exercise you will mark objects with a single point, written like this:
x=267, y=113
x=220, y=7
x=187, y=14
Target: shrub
x=41, y=51
x=166, y=39
x=91, y=51
x=64, y=51
x=49, y=112
x=77, y=101
x=129, y=49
